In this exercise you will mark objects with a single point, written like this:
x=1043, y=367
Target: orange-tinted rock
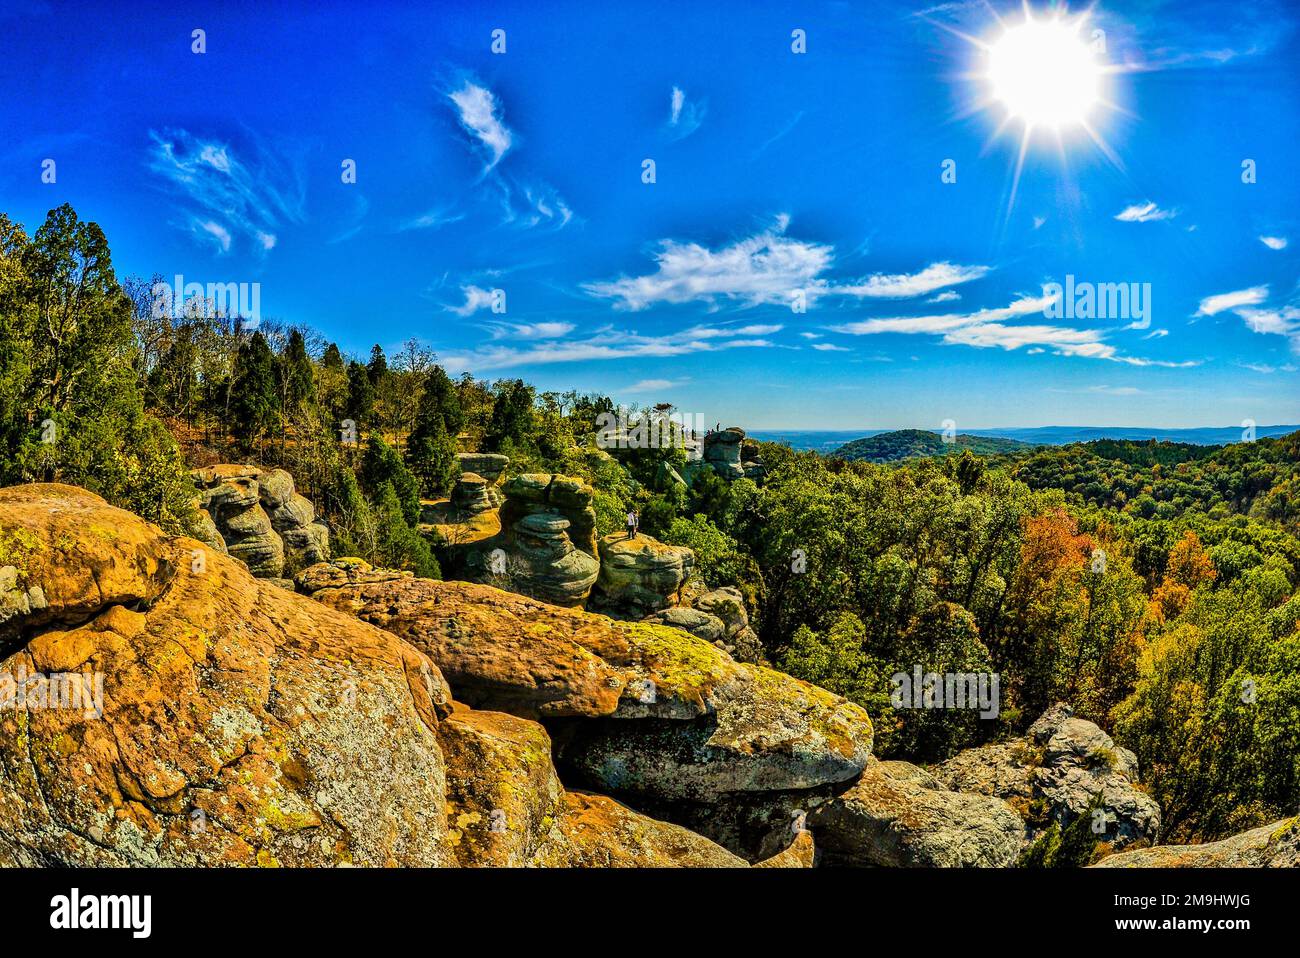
x=239, y=724
x=592, y=831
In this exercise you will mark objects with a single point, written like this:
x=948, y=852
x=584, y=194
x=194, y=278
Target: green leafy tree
x=361, y=395
x=381, y=465
x=254, y=400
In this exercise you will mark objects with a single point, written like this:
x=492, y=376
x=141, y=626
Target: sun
x=1044, y=77
x=1044, y=73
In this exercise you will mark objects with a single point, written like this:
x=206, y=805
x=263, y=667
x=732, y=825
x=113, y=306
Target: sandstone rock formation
x=540, y=541
x=1066, y=763
x=722, y=452
x=592, y=831
x=238, y=724
x=1271, y=846
x=490, y=465
x=261, y=519
x=658, y=712
x=640, y=576
x=899, y=815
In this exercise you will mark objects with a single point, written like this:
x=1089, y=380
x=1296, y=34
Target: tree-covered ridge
x=913, y=443
x=1168, y=616
x=1166, y=480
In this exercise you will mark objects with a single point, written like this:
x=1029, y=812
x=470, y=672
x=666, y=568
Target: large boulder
x=236, y=509
x=506, y=652
x=728, y=605
x=543, y=492
x=540, y=541
x=1271, y=846
x=227, y=722
x=656, y=712
x=1065, y=765
x=592, y=831
x=641, y=575
x=473, y=494
x=722, y=452
x=899, y=815
x=502, y=789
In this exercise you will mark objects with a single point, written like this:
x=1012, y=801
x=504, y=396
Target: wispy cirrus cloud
x=231, y=199
x=768, y=267
x=943, y=322
x=654, y=385
x=522, y=200
x=684, y=115
x=480, y=116
x=1212, y=305
x=1274, y=242
x=908, y=285
x=606, y=343
x=435, y=218
x=1147, y=212
x=545, y=330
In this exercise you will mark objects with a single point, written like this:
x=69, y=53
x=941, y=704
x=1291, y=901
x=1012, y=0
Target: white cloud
x=551, y=330
x=811, y=335
x=434, y=219
x=1157, y=334
x=231, y=198
x=684, y=116
x=985, y=328
x=907, y=285
x=1282, y=321
x=1274, y=242
x=479, y=113
x=947, y=321
x=765, y=268
x=476, y=298
x=1212, y=305
x=718, y=332
x=651, y=385
x=219, y=233
x=830, y=348
x=603, y=344
x=948, y=296
x=1146, y=212
x=1116, y=390
x=1039, y=221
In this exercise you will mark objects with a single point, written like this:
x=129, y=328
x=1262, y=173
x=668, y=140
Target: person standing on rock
x=633, y=521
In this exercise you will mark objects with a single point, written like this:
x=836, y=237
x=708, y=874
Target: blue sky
x=777, y=174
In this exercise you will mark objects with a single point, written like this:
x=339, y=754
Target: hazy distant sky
x=776, y=172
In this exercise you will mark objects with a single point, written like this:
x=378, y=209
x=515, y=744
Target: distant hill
x=913, y=443
x=827, y=441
